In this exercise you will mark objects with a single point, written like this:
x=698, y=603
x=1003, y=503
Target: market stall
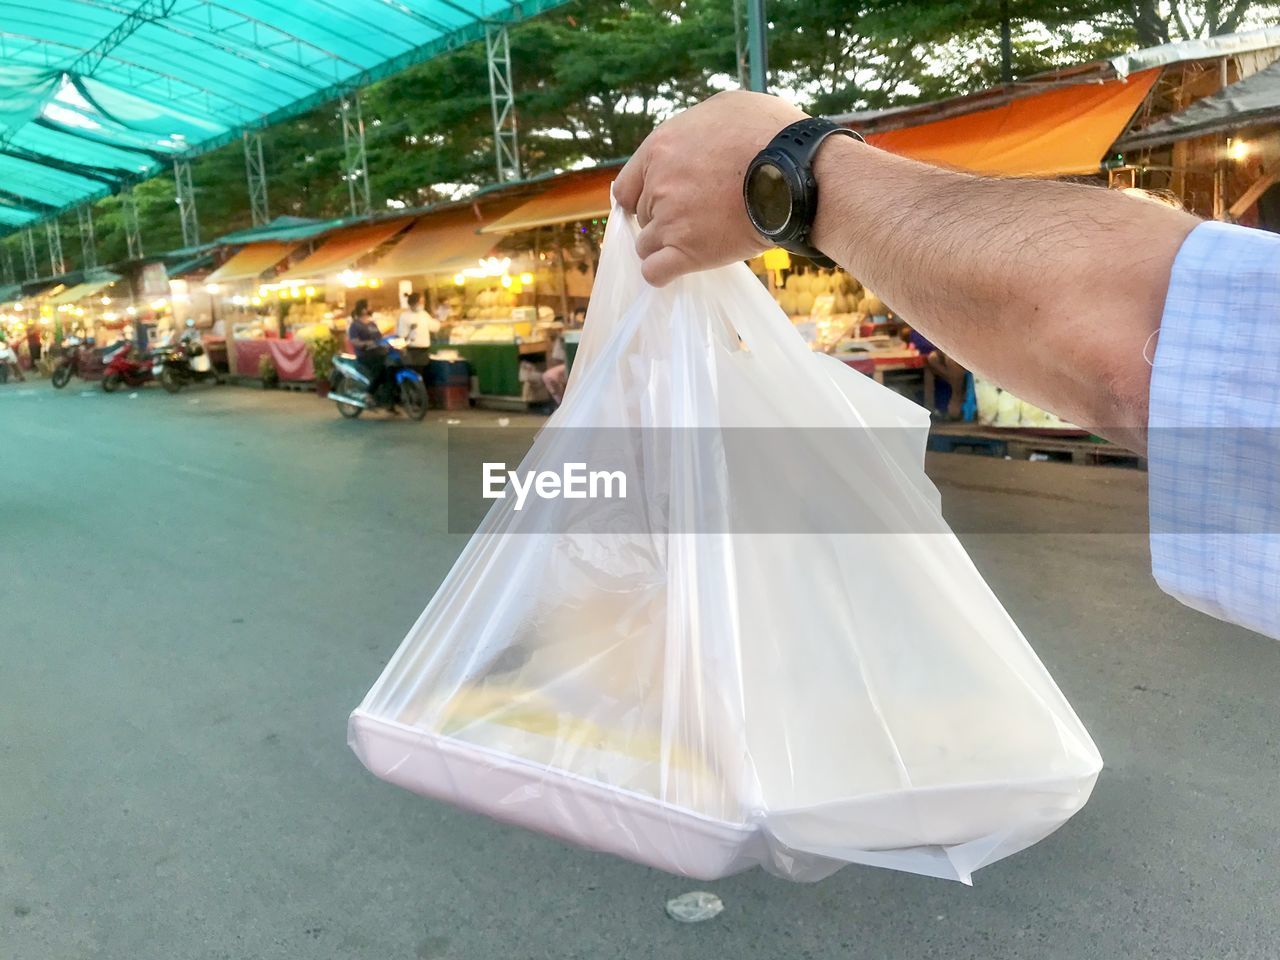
x=528, y=268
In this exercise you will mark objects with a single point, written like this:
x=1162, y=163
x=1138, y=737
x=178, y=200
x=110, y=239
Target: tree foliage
x=593, y=77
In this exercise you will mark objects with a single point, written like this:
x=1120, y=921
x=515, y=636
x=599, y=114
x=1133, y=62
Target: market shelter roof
x=442, y=242
x=567, y=199
x=94, y=94
x=343, y=248
x=1254, y=100
x=251, y=262
x=1062, y=131
x=84, y=290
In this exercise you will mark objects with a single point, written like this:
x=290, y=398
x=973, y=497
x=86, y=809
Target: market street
x=198, y=589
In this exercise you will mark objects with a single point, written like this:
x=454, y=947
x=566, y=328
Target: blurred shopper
x=415, y=326
x=1175, y=354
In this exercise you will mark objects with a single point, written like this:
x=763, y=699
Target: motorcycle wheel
x=170, y=380
x=61, y=376
x=413, y=397
x=111, y=382
x=348, y=410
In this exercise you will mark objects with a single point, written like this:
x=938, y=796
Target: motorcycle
x=124, y=368
x=68, y=364
x=183, y=362
x=349, y=384
x=8, y=359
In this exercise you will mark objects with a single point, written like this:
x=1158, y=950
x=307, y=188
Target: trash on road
x=694, y=906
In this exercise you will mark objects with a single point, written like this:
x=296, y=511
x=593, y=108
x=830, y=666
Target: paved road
x=197, y=590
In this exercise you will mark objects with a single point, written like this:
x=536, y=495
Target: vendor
x=939, y=366
x=415, y=326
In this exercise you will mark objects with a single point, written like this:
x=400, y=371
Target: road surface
x=197, y=590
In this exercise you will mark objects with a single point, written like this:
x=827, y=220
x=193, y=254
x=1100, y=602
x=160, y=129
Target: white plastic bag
x=703, y=696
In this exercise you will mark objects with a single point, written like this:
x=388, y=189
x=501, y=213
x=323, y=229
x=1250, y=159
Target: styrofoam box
x=580, y=811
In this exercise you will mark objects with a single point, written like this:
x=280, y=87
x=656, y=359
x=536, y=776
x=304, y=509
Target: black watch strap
x=800, y=141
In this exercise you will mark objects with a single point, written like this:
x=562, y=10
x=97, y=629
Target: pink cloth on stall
x=293, y=359
x=249, y=354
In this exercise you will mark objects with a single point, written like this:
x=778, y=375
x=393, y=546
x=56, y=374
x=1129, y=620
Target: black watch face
x=768, y=197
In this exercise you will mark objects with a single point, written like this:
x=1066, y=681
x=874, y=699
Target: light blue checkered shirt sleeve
x=1214, y=442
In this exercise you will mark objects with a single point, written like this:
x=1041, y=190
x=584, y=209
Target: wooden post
x=564, y=284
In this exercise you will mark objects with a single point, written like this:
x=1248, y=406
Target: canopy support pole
x=502, y=102
x=758, y=45
x=356, y=169
x=186, y=202
x=88, y=241
x=256, y=173
x=57, y=265
x=132, y=232
x=6, y=265
x=29, y=254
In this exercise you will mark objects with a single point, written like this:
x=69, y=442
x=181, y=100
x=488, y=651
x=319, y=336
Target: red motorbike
x=125, y=367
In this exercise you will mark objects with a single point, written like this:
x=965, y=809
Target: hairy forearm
x=1049, y=289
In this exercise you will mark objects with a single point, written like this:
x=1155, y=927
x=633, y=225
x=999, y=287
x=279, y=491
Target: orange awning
x=439, y=243
x=251, y=262
x=343, y=248
x=1064, y=131
x=579, y=198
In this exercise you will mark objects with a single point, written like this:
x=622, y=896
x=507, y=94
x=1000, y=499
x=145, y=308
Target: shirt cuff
x=1214, y=428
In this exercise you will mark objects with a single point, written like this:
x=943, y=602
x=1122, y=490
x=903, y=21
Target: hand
x=685, y=184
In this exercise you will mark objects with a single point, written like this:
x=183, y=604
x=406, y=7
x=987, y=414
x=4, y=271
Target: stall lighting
x=460, y=279
x=350, y=278
x=159, y=304
x=79, y=311
x=211, y=288
x=105, y=301
x=263, y=290
x=311, y=291
x=488, y=267
x=256, y=301
x=1238, y=149
x=109, y=316
x=18, y=307
x=296, y=293
x=285, y=293
x=375, y=282
x=131, y=310
x=526, y=278
x=506, y=280
x=239, y=300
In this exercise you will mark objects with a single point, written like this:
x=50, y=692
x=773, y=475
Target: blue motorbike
x=351, y=386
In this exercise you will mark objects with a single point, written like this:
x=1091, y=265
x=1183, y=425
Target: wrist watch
x=781, y=191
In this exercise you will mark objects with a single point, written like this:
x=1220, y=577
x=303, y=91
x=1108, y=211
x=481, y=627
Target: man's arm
x=1049, y=289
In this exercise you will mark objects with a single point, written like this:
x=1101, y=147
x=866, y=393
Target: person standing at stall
x=415, y=326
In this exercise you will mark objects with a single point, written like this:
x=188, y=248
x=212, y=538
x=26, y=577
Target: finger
x=630, y=182
x=666, y=265
x=649, y=242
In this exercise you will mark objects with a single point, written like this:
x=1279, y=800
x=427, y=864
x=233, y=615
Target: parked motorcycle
x=68, y=364
x=125, y=367
x=8, y=359
x=182, y=362
x=349, y=384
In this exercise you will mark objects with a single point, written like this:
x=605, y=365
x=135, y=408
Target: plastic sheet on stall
x=701, y=696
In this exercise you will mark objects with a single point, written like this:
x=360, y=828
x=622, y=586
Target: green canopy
x=94, y=94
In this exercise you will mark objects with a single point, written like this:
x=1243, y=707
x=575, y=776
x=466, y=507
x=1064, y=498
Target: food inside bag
x=772, y=651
